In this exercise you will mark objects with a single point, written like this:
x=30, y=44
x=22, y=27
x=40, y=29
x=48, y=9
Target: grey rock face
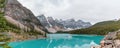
x=54, y=22
x=23, y=15
x=63, y=24
x=12, y=2
x=43, y=20
x=71, y=23
x=50, y=24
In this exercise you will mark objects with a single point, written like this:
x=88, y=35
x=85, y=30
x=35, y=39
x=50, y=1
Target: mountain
x=54, y=25
x=100, y=28
x=43, y=20
x=72, y=24
x=19, y=22
x=50, y=24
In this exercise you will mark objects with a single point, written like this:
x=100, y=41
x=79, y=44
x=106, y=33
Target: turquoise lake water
x=60, y=41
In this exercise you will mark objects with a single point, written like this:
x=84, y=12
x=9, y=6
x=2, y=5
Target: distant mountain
x=50, y=24
x=72, y=24
x=19, y=22
x=44, y=21
x=54, y=25
x=100, y=28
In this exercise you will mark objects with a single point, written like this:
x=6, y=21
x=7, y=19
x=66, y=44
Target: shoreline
x=77, y=34
x=110, y=41
x=14, y=37
x=27, y=40
x=57, y=33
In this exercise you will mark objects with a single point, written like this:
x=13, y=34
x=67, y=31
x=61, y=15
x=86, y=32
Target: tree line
x=100, y=28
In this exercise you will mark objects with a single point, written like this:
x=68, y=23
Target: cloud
x=87, y=10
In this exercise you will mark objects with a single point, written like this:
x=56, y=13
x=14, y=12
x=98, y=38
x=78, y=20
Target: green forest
x=3, y=27
x=100, y=28
x=6, y=27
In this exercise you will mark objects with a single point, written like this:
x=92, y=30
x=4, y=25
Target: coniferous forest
x=100, y=28
x=4, y=39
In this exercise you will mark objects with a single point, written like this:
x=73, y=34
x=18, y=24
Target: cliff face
x=22, y=17
x=54, y=25
x=50, y=24
x=43, y=21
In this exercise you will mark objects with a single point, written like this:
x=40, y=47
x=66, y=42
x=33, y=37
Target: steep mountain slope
x=19, y=23
x=43, y=20
x=54, y=25
x=100, y=28
x=50, y=24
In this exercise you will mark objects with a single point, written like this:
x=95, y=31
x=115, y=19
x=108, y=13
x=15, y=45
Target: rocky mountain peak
x=22, y=17
x=12, y=2
x=62, y=25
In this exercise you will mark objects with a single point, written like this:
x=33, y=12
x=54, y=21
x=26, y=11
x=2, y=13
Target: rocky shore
x=111, y=40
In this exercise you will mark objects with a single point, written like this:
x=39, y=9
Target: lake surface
x=60, y=41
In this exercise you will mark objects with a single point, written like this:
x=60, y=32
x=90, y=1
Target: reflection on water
x=77, y=46
x=60, y=41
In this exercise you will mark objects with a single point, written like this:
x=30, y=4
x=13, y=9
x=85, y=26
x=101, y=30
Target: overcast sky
x=87, y=10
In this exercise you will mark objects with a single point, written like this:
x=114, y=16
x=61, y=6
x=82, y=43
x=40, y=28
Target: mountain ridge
x=101, y=28
x=19, y=22
x=62, y=25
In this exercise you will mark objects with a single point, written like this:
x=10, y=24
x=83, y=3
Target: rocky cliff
x=24, y=20
x=54, y=25
x=50, y=24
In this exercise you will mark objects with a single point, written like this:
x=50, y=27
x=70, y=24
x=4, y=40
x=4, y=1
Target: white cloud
x=87, y=10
